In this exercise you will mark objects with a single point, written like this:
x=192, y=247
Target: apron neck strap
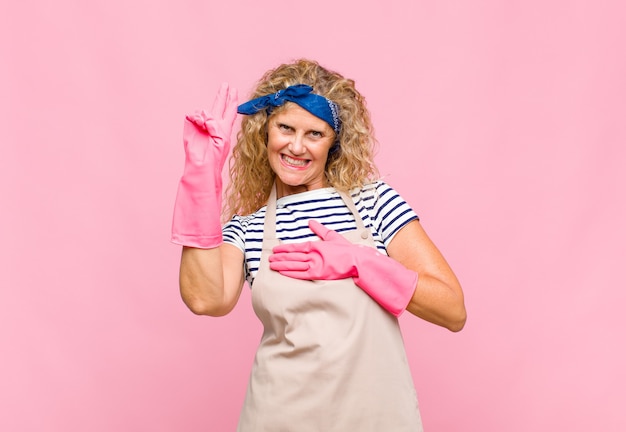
x=269, y=226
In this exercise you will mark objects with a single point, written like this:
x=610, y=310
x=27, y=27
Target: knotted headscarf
x=301, y=95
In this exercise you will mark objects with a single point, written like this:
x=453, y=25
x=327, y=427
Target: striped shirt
x=382, y=209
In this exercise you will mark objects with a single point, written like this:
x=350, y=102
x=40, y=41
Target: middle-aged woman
x=333, y=255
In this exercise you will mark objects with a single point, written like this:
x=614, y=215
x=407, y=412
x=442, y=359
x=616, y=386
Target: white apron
x=330, y=358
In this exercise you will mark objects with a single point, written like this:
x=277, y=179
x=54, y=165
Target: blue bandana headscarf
x=300, y=94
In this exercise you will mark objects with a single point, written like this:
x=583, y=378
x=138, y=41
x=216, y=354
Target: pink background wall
x=501, y=122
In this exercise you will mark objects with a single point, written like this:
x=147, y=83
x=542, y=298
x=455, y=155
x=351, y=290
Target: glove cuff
x=197, y=241
x=387, y=281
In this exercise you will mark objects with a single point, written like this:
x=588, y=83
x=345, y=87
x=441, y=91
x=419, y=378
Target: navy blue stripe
x=390, y=211
x=381, y=206
x=316, y=200
x=394, y=231
x=309, y=217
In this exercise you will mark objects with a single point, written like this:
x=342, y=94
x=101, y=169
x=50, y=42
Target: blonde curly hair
x=350, y=166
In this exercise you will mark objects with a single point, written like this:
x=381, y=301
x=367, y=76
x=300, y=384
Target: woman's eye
x=283, y=127
x=317, y=134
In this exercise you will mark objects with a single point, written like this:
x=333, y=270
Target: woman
x=332, y=255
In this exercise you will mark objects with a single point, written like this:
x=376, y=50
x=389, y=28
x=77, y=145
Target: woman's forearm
x=211, y=279
x=439, y=303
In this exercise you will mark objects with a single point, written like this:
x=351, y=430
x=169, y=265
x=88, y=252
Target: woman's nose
x=296, y=146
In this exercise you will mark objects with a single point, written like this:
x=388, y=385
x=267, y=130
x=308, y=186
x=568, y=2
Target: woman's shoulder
x=244, y=223
x=373, y=186
x=240, y=229
x=374, y=191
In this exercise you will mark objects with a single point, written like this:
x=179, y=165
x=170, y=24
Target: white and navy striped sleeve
x=246, y=233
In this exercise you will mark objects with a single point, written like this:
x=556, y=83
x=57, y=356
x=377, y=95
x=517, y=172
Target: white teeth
x=296, y=162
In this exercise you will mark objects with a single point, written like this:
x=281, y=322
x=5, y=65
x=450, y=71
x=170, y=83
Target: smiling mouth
x=294, y=162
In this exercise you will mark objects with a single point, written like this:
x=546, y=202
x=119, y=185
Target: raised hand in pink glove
x=198, y=204
x=387, y=281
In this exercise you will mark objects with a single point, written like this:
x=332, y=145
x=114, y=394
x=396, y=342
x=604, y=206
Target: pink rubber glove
x=387, y=281
x=198, y=204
